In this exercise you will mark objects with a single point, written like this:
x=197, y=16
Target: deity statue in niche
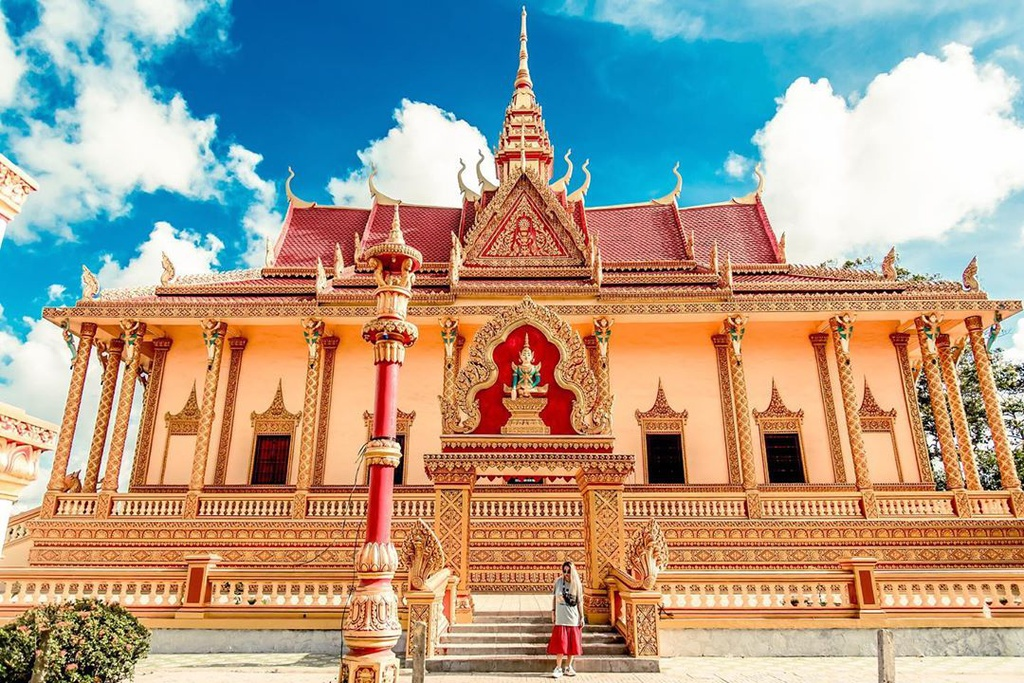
x=526, y=395
x=526, y=375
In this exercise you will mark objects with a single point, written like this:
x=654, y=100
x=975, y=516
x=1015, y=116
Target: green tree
x=1009, y=379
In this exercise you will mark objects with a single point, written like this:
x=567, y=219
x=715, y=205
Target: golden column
x=62, y=454
x=899, y=342
x=964, y=446
x=220, y=470
x=994, y=414
x=735, y=328
x=601, y=485
x=214, y=332
x=312, y=332
x=927, y=333
x=818, y=342
x=323, y=420
x=110, y=357
x=732, y=452
x=151, y=399
x=842, y=332
x=132, y=332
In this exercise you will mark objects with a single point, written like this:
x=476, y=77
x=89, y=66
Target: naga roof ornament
x=970, y=276
x=752, y=197
x=485, y=184
x=889, y=265
x=467, y=194
x=339, y=261
x=292, y=199
x=579, y=194
x=671, y=197
x=167, y=276
x=782, y=248
x=378, y=196
x=562, y=183
x=90, y=284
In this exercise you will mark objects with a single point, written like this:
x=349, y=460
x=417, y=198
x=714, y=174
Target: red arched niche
x=557, y=415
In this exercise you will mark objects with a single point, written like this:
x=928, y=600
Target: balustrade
x=810, y=507
x=76, y=505
x=991, y=504
x=983, y=593
x=143, y=590
x=148, y=507
x=789, y=592
x=683, y=507
x=245, y=507
x=543, y=508
x=937, y=504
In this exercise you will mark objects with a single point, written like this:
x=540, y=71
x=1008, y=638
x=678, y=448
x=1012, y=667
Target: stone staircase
x=516, y=642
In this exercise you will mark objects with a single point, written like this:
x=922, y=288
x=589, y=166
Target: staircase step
x=518, y=627
x=515, y=638
x=517, y=617
x=524, y=649
x=534, y=664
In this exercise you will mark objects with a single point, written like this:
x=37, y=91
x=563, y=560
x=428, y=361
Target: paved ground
x=300, y=668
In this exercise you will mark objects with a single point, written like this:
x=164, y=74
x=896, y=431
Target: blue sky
x=169, y=126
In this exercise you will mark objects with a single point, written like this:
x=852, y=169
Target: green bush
x=89, y=642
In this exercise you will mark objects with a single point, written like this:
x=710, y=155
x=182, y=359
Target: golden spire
x=523, y=75
x=396, y=237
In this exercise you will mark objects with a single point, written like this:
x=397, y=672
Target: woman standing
x=567, y=617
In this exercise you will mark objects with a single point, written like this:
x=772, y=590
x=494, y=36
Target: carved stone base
x=596, y=609
x=380, y=667
x=372, y=618
x=1017, y=503
x=525, y=418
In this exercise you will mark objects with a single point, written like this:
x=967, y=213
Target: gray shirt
x=564, y=614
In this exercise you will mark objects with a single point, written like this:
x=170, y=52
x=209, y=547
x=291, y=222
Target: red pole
x=371, y=627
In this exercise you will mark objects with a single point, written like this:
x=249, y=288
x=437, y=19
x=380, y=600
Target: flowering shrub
x=88, y=642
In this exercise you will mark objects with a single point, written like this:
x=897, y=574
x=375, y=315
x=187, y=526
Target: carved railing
x=790, y=505
x=915, y=504
x=76, y=505
x=991, y=503
x=262, y=505
x=148, y=506
x=520, y=507
x=239, y=591
x=147, y=592
x=17, y=528
x=985, y=593
x=680, y=505
x=762, y=593
x=417, y=504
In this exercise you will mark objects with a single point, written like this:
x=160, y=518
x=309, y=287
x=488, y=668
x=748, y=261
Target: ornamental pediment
x=524, y=225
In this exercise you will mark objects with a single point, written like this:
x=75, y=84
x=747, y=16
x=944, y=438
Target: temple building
x=648, y=389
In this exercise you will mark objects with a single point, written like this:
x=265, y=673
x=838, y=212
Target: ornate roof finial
x=357, y=254
x=563, y=182
x=889, y=265
x=670, y=198
x=396, y=236
x=579, y=194
x=727, y=275
x=713, y=259
x=970, y=276
x=90, y=284
x=292, y=199
x=378, y=196
x=523, y=75
x=339, y=260
x=753, y=197
x=782, y=248
x=322, y=284
x=485, y=184
x=467, y=194
x=167, y=276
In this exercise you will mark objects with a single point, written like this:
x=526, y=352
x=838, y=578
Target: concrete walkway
x=308, y=668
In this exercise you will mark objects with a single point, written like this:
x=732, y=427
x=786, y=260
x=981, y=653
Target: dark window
x=665, y=459
x=782, y=451
x=400, y=470
x=270, y=466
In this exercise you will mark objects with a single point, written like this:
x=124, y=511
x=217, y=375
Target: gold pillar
x=151, y=399
x=110, y=357
x=927, y=333
x=604, y=532
x=601, y=368
x=899, y=342
x=132, y=331
x=312, y=331
x=835, y=449
x=961, y=429
x=214, y=332
x=237, y=346
x=732, y=453
x=735, y=328
x=69, y=422
x=452, y=352
x=842, y=333
x=994, y=414
x=330, y=346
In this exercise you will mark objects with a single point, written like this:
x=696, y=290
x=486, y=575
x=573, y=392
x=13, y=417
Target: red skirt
x=566, y=640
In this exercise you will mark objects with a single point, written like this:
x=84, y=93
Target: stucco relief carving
x=589, y=416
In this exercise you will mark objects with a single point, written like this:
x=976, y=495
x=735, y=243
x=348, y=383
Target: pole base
x=379, y=667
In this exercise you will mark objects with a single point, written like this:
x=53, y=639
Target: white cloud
x=11, y=66
x=417, y=161
x=931, y=146
x=737, y=166
x=746, y=19
x=261, y=221
x=55, y=293
x=91, y=128
x=190, y=252
x=1015, y=352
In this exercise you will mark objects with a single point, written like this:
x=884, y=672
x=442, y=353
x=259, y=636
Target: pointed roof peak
x=523, y=75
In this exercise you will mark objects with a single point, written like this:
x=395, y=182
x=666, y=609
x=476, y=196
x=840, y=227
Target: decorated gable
x=525, y=225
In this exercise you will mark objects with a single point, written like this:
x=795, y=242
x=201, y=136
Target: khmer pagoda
x=650, y=390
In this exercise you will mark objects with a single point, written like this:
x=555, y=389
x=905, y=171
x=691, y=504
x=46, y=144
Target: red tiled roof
x=741, y=230
x=309, y=233
x=428, y=228
x=645, y=232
